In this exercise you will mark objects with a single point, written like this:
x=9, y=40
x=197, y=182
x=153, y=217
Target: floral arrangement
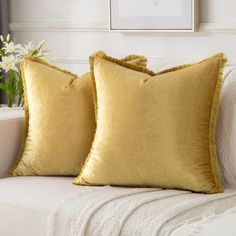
x=11, y=55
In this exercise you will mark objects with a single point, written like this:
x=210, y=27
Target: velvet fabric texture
x=155, y=130
x=59, y=119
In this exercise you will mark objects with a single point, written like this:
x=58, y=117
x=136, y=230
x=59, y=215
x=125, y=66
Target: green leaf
x=20, y=87
x=40, y=46
x=35, y=52
x=2, y=86
x=11, y=86
x=1, y=53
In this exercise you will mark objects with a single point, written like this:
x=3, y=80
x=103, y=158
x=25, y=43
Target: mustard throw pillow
x=59, y=119
x=155, y=130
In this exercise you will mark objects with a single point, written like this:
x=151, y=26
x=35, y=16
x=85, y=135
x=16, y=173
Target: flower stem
x=19, y=101
x=9, y=101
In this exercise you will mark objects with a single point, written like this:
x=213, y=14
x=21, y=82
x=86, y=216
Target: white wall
x=73, y=29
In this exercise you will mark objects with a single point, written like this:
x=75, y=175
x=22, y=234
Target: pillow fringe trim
x=43, y=62
x=136, y=59
x=217, y=55
x=212, y=127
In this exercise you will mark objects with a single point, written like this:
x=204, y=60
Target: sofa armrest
x=11, y=126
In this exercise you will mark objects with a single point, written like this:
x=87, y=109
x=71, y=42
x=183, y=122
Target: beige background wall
x=73, y=29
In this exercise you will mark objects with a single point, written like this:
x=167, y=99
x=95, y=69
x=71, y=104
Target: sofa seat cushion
x=36, y=206
x=25, y=203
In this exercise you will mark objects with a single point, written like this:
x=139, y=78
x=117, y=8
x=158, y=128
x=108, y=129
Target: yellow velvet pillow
x=155, y=130
x=59, y=119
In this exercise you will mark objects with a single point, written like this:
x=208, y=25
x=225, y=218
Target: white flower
x=8, y=38
x=1, y=38
x=9, y=63
x=26, y=49
x=11, y=47
x=30, y=49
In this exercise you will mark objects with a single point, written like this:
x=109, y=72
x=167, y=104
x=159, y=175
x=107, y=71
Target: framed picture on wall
x=154, y=15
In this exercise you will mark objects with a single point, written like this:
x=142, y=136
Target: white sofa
x=11, y=125
x=53, y=206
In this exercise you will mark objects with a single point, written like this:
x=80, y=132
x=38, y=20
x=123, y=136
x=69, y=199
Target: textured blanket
x=124, y=211
x=210, y=225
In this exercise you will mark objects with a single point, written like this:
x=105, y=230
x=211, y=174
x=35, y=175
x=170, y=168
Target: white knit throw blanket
x=105, y=211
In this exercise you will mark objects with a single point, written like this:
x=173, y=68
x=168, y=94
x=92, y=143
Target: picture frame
x=154, y=15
